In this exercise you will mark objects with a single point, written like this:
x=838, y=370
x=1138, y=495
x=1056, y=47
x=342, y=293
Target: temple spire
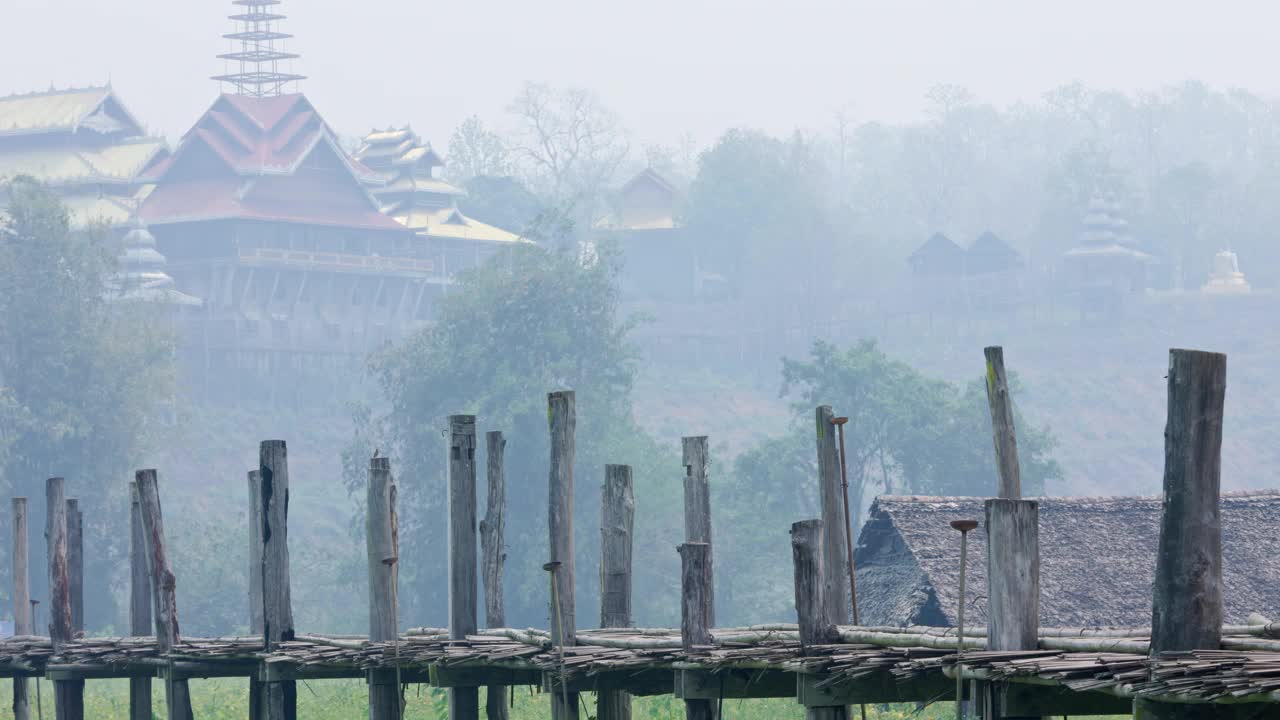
x=258, y=57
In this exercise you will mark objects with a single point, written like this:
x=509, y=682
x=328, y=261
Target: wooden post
x=562, y=418
x=617, y=519
x=164, y=587
x=697, y=508
x=279, y=695
x=382, y=541
x=68, y=695
x=139, y=603
x=831, y=498
x=464, y=702
x=1187, y=602
x=1002, y=431
x=75, y=565
x=254, y=482
x=1013, y=583
x=22, y=624
x=494, y=556
x=695, y=613
x=813, y=613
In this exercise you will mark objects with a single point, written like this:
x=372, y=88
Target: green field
x=226, y=699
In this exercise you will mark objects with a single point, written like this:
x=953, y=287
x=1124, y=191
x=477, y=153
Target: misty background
x=811, y=150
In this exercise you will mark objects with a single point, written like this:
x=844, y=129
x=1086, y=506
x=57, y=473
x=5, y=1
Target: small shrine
x=1225, y=277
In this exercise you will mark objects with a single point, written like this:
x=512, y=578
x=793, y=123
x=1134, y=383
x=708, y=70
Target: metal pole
x=848, y=525
x=964, y=526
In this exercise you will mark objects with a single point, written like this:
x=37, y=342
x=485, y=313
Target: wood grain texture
x=562, y=421
x=139, y=603
x=494, y=555
x=164, y=588
x=75, y=565
x=279, y=698
x=697, y=506
x=464, y=702
x=695, y=614
x=20, y=562
x=1002, y=431
x=383, y=548
x=835, y=560
x=617, y=522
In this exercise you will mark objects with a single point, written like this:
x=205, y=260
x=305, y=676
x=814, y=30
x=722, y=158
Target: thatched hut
x=1097, y=560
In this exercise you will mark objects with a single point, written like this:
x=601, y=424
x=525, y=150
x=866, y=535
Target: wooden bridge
x=1188, y=664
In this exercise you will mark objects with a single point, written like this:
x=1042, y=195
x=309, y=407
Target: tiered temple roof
x=83, y=143
x=262, y=158
x=403, y=177
x=1104, y=232
x=142, y=276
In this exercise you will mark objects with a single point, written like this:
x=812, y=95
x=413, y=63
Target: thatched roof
x=1097, y=559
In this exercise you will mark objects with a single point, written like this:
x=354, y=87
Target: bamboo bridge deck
x=757, y=662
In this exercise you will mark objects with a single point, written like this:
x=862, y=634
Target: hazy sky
x=668, y=67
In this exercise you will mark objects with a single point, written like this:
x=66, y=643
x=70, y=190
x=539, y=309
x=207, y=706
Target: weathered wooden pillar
x=254, y=482
x=139, y=603
x=68, y=695
x=813, y=613
x=1187, y=593
x=830, y=495
x=695, y=614
x=464, y=702
x=75, y=564
x=617, y=519
x=279, y=693
x=1013, y=584
x=22, y=624
x=494, y=555
x=562, y=417
x=1002, y=430
x=697, y=508
x=164, y=590
x=383, y=544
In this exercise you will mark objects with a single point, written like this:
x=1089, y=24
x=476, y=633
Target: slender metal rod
x=964, y=552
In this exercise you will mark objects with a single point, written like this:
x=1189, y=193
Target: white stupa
x=141, y=277
x=1225, y=277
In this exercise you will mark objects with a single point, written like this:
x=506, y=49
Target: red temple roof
x=269, y=158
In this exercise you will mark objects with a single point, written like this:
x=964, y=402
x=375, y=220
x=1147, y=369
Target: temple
x=403, y=175
x=1105, y=267
x=82, y=143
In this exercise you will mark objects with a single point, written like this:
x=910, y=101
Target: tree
x=504, y=337
x=80, y=377
x=568, y=146
x=475, y=150
x=502, y=201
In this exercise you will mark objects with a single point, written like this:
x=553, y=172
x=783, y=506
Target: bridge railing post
x=22, y=623
x=493, y=552
x=813, y=613
x=139, y=602
x=562, y=417
x=279, y=694
x=617, y=520
x=464, y=702
x=382, y=545
x=164, y=591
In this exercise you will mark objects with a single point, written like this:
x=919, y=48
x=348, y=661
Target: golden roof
x=450, y=223
x=63, y=110
x=121, y=162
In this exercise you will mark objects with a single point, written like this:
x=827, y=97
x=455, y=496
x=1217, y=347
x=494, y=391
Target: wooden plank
x=164, y=585
x=562, y=419
x=279, y=698
x=1024, y=700
x=68, y=695
x=697, y=507
x=617, y=521
x=382, y=544
x=817, y=625
x=1002, y=430
x=464, y=702
x=835, y=559
x=493, y=555
x=22, y=624
x=475, y=676
x=1013, y=583
x=1187, y=592
x=877, y=688
x=734, y=684
x=139, y=604
x=75, y=565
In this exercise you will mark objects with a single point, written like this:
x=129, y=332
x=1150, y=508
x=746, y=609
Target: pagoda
x=1105, y=266
x=404, y=177
x=265, y=218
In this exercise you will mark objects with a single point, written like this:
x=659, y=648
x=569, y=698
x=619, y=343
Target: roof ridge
x=56, y=91
x=1060, y=499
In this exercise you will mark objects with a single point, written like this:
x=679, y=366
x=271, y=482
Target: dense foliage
x=907, y=434
x=81, y=378
x=506, y=335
